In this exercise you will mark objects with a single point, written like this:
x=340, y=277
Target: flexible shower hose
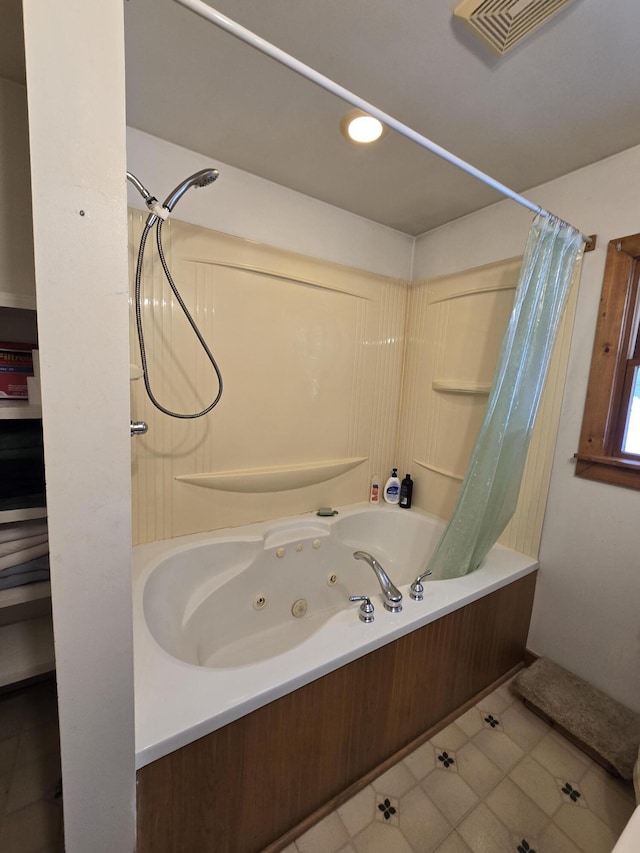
x=185, y=310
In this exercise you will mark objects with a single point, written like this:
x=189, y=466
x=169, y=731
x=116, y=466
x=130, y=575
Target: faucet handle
x=416, y=591
x=365, y=611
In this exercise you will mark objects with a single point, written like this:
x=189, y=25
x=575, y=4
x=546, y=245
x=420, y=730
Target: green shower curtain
x=489, y=492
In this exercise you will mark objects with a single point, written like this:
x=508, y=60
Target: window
x=609, y=448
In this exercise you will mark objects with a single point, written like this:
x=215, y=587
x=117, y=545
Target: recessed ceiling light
x=357, y=126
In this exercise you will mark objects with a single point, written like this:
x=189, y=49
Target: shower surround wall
x=315, y=233
x=311, y=356
x=314, y=358
x=454, y=332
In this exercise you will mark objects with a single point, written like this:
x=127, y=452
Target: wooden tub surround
x=259, y=782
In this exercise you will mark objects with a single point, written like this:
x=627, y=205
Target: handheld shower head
x=159, y=213
x=200, y=179
x=144, y=192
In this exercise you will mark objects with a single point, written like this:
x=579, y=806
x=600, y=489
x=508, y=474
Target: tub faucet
x=416, y=592
x=391, y=595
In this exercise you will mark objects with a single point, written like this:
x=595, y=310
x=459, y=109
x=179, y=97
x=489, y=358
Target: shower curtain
x=489, y=492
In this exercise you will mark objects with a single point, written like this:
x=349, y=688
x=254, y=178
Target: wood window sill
x=616, y=470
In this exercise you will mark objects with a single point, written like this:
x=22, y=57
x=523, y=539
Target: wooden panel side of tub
x=243, y=786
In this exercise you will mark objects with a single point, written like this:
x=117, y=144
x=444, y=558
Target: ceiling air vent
x=504, y=23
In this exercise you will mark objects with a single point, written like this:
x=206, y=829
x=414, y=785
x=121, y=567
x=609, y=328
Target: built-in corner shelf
x=19, y=410
x=18, y=595
x=10, y=516
x=460, y=386
x=26, y=628
x=278, y=479
x=19, y=302
x=26, y=649
x=451, y=475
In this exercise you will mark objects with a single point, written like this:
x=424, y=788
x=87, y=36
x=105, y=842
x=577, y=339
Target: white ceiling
x=567, y=96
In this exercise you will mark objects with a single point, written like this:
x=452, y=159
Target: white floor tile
x=558, y=758
x=623, y=786
x=359, y=811
x=8, y=752
x=515, y=810
x=470, y=722
x=552, y=840
x=499, y=748
x=395, y=782
x=606, y=801
x=378, y=838
x=522, y=726
x=5, y=784
x=538, y=784
x=31, y=829
x=328, y=836
x=40, y=704
x=478, y=771
x=12, y=711
x=451, y=794
x=484, y=833
x=32, y=782
x=422, y=760
x=450, y=739
x=497, y=702
x=585, y=829
x=422, y=823
x=453, y=844
x=37, y=742
x=577, y=753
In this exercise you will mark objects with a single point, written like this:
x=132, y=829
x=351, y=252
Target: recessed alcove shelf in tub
x=332, y=697
x=438, y=470
x=276, y=479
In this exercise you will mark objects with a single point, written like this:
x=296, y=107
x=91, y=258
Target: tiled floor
x=498, y=780
x=30, y=787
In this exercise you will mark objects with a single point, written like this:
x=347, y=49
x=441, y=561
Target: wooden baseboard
x=336, y=802
x=529, y=657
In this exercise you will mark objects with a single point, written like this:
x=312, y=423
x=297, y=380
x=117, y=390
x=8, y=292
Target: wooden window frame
x=599, y=456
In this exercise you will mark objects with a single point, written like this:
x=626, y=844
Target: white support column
x=76, y=96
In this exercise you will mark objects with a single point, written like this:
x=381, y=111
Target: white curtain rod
x=250, y=38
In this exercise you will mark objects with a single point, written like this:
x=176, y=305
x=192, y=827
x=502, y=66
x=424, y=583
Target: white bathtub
x=214, y=632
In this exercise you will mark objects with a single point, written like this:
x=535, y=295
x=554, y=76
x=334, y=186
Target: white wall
x=244, y=205
x=587, y=608
x=75, y=85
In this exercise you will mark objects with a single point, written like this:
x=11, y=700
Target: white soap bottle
x=391, y=492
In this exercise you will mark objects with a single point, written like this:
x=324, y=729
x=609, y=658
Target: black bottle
x=406, y=490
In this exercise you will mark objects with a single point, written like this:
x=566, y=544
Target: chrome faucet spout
x=391, y=595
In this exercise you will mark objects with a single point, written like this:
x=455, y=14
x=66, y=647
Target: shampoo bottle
x=392, y=488
x=374, y=496
x=406, y=490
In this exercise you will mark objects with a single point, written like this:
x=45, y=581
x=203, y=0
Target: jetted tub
x=228, y=621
